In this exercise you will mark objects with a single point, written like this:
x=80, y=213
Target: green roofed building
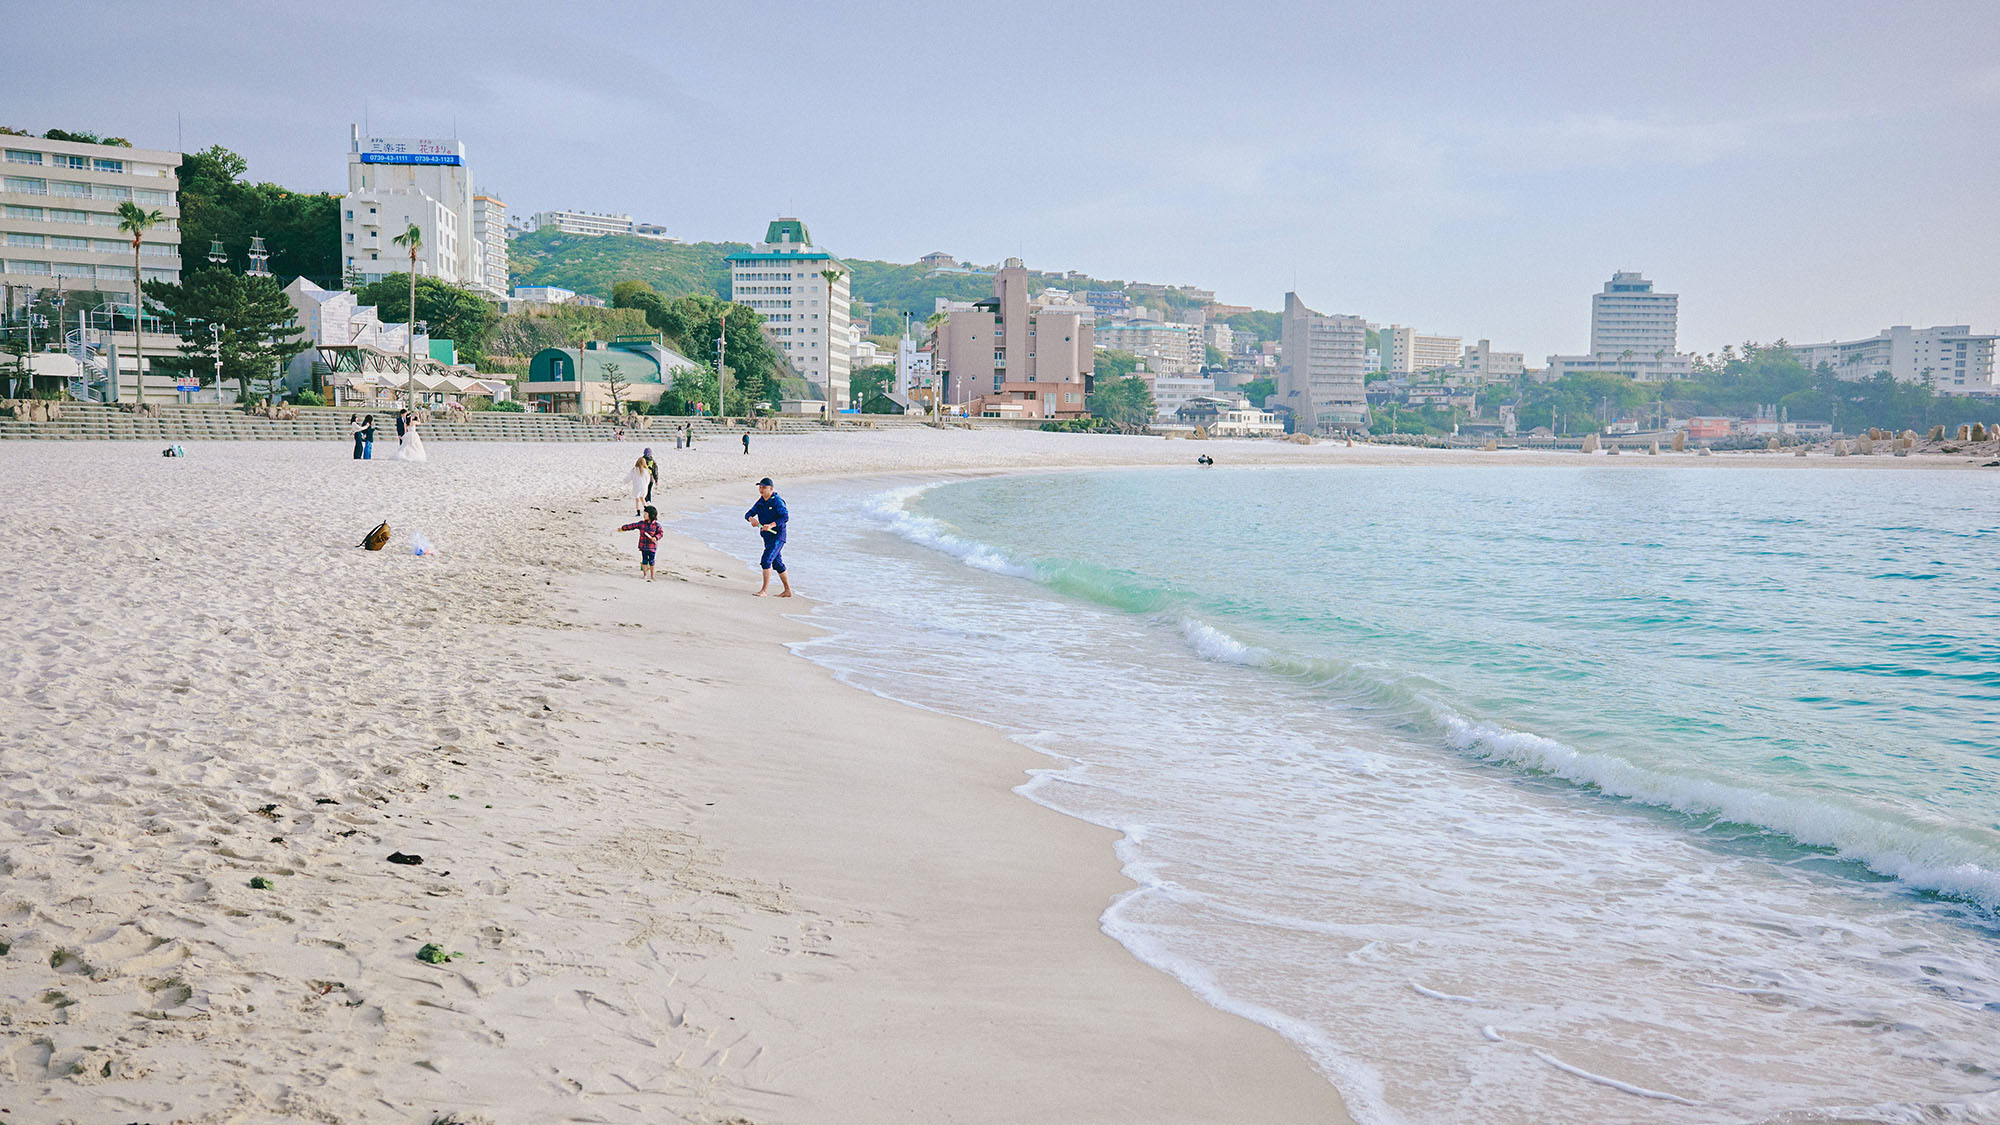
x=579, y=380
x=806, y=317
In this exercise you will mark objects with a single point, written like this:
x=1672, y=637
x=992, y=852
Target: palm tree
x=414, y=240
x=135, y=221
x=832, y=406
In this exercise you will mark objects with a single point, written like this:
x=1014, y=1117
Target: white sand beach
x=677, y=872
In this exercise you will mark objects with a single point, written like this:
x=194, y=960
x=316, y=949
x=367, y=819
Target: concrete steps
x=184, y=423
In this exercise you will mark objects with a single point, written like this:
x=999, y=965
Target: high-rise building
x=1949, y=358
x=1405, y=351
x=805, y=314
x=1000, y=356
x=394, y=183
x=1633, y=333
x=1322, y=373
x=59, y=215
x=1628, y=315
x=489, y=230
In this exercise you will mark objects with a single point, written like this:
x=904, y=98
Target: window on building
x=58, y=242
x=106, y=191
x=80, y=163
x=29, y=213
x=103, y=165
x=65, y=187
x=24, y=185
x=157, y=198
x=15, y=265
x=17, y=156
x=26, y=240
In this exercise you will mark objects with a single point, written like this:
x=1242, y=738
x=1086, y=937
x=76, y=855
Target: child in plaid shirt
x=649, y=539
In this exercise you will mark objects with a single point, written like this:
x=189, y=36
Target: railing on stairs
x=89, y=384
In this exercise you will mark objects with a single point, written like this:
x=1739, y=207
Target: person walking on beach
x=652, y=472
x=769, y=517
x=641, y=482
x=689, y=434
x=368, y=436
x=354, y=424
x=746, y=443
x=649, y=538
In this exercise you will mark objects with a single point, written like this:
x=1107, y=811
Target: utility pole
x=721, y=348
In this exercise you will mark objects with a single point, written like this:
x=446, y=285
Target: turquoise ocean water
x=1543, y=795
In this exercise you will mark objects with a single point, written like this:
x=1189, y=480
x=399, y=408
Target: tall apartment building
x=1949, y=358
x=1628, y=315
x=1172, y=349
x=59, y=215
x=1322, y=372
x=1004, y=356
x=1633, y=332
x=1406, y=351
x=1481, y=362
x=489, y=230
x=592, y=223
x=396, y=182
x=783, y=278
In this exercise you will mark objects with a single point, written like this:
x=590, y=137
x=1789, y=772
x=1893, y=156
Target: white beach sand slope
x=208, y=684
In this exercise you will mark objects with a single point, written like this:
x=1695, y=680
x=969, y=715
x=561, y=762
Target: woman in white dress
x=641, y=481
x=410, y=447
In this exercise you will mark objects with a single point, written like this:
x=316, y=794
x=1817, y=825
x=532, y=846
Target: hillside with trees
x=885, y=290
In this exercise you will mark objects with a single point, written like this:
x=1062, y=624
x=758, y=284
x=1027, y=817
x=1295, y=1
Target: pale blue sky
x=1806, y=170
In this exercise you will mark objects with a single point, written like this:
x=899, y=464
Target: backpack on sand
x=378, y=538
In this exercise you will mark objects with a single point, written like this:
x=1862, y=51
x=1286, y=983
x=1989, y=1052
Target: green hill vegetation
x=594, y=265
x=884, y=290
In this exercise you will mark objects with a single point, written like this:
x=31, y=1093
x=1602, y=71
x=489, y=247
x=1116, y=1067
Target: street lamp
x=215, y=330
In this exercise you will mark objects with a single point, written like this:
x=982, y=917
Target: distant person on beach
x=354, y=424
x=652, y=472
x=746, y=444
x=649, y=538
x=368, y=437
x=641, y=481
x=769, y=517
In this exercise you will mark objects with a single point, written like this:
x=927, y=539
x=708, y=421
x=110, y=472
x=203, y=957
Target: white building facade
x=596, y=224
x=394, y=183
x=1406, y=351
x=1633, y=332
x=1168, y=348
x=59, y=215
x=805, y=315
x=1949, y=358
x=489, y=229
x=1480, y=362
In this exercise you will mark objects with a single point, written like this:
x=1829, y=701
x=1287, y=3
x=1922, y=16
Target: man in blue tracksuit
x=769, y=517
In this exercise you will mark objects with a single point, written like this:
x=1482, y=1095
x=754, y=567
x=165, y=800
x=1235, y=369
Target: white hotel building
x=59, y=215
x=394, y=183
x=594, y=224
x=1949, y=358
x=783, y=279
x=1633, y=332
